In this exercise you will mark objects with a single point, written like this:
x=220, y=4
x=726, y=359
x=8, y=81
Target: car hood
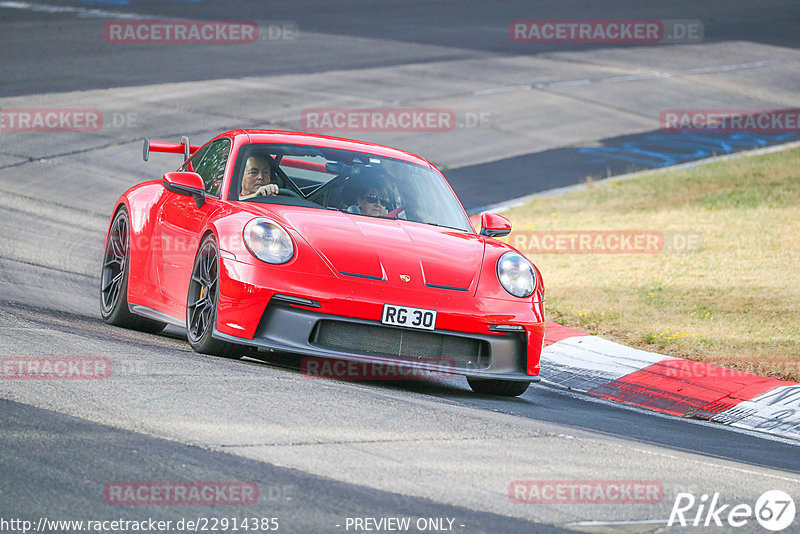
x=406, y=254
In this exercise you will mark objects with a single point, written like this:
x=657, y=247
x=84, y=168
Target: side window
x=210, y=163
x=191, y=163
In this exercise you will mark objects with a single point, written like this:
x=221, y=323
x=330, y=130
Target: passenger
x=373, y=202
x=366, y=193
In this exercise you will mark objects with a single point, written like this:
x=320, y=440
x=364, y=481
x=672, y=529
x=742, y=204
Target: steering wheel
x=288, y=193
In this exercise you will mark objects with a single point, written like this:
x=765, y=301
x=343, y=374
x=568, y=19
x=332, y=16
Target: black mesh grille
x=401, y=343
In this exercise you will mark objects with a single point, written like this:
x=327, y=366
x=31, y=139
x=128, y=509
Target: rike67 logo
x=774, y=510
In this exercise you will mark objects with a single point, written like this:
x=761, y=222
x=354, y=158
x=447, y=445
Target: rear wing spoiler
x=173, y=148
x=187, y=150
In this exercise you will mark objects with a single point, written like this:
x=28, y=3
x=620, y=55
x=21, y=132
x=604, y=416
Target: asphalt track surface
x=320, y=452
x=57, y=59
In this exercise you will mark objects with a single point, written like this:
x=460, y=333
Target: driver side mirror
x=186, y=183
x=493, y=225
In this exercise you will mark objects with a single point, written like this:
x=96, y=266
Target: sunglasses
x=374, y=199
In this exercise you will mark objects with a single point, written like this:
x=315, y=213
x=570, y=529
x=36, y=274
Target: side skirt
x=150, y=313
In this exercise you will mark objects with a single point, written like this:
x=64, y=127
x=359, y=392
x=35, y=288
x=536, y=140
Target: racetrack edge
x=599, y=367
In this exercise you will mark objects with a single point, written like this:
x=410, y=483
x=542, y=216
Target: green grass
x=733, y=299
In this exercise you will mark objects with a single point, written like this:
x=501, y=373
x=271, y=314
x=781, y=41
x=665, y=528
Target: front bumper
x=285, y=327
x=330, y=317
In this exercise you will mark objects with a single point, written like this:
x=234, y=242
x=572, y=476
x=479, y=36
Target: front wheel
x=114, y=279
x=202, y=302
x=500, y=388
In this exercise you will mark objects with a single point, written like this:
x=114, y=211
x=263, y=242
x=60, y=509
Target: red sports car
x=324, y=247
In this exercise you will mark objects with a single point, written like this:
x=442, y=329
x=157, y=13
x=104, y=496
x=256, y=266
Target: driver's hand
x=267, y=190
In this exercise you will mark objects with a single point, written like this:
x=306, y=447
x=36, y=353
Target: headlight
x=268, y=242
x=516, y=274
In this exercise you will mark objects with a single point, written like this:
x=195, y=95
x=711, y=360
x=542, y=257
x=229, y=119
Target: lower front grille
x=403, y=344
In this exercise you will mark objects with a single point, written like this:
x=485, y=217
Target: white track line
x=81, y=12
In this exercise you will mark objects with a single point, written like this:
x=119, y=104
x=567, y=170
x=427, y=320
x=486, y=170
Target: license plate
x=408, y=317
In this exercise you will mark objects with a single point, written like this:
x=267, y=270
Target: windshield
x=353, y=182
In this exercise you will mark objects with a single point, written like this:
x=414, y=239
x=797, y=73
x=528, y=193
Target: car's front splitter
x=289, y=327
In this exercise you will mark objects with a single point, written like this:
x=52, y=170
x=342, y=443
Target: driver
x=257, y=178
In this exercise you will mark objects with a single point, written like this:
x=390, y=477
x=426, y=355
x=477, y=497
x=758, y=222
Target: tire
x=500, y=388
x=114, y=279
x=202, y=301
